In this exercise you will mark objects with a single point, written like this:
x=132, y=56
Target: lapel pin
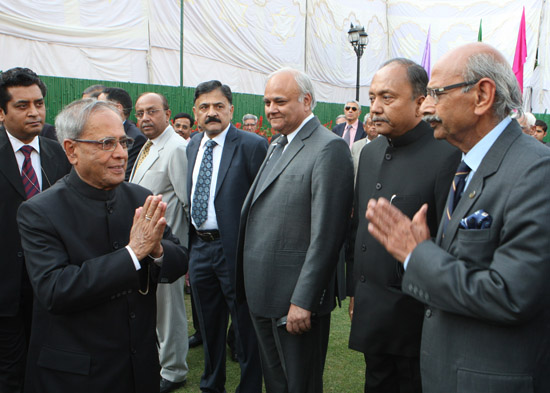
x=472, y=194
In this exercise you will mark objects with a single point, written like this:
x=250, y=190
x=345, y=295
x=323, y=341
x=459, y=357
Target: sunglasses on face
x=353, y=108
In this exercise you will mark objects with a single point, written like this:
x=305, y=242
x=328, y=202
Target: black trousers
x=292, y=363
x=214, y=297
x=387, y=373
x=14, y=338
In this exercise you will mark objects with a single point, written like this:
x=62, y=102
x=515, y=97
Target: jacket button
x=363, y=247
x=388, y=156
x=19, y=254
x=133, y=350
x=362, y=278
x=110, y=210
x=115, y=245
x=428, y=313
x=132, y=315
x=378, y=186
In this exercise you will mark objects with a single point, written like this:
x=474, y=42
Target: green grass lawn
x=344, y=369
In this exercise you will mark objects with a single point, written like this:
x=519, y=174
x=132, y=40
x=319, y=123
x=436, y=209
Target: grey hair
x=70, y=122
x=355, y=102
x=250, y=116
x=367, y=117
x=340, y=117
x=507, y=95
x=304, y=83
x=531, y=119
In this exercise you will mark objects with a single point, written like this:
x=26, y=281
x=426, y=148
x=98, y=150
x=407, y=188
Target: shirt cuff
x=137, y=265
x=406, y=261
x=157, y=261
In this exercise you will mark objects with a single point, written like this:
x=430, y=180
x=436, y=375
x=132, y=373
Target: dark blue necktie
x=28, y=175
x=199, y=210
x=457, y=188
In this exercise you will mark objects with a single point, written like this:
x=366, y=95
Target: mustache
x=431, y=118
x=211, y=119
x=377, y=119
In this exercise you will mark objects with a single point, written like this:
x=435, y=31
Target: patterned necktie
x=275, y=155
x=28, y=175
x=144, y=153
x=347, y=135
x=457, y=188
x=199, y=210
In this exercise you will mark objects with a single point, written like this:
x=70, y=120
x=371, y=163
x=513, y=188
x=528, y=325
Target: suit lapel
x=192, y=151
x=8, y=164
x=227, y=156
x=48, y=162
x=291, y=151
x=360, y=131
x=489, y=165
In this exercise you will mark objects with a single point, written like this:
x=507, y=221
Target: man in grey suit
x=162, y=168
x=293, y=223
x=485, y=277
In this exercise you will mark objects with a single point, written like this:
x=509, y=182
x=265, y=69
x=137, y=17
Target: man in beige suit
x=162, y=167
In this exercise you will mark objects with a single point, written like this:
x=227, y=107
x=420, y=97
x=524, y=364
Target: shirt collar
x=353, y=125
x=16, y=144
x=219, y=139
x=293, y=134
x=159, y=140
x=476, y=154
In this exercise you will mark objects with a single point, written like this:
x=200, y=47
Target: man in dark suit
x=292, y=228
x=223, y=162
x=95, y=247
x=485, y=278
x=123, y=102
x=352, y=130
x=386, y=324
x=22, y=111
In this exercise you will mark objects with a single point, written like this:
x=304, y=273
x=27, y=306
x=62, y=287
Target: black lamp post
x=359, y=40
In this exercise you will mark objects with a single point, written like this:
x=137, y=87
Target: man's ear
x=69, y=146
x=419, y=100
x=485, y=96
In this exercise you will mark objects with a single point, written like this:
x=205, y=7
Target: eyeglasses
x=353, y=108
x=435, y=93
x=110, y=143
x=150, y=112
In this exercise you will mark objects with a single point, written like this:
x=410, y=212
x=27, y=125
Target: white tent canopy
x=241, y=41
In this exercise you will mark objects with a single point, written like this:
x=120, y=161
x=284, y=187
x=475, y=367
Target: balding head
x=473, y=88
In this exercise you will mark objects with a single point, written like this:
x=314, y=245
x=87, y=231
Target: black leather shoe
x=168, y=386
x=194, y=341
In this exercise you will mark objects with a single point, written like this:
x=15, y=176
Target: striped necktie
x=28, y=175
x=457, y=188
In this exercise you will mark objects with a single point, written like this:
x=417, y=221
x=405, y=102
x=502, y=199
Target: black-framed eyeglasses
x=435, y=93
x=110, y=143
x=353, y=108
x=150, y=112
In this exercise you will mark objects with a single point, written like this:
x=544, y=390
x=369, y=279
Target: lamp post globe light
x=359, y=39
